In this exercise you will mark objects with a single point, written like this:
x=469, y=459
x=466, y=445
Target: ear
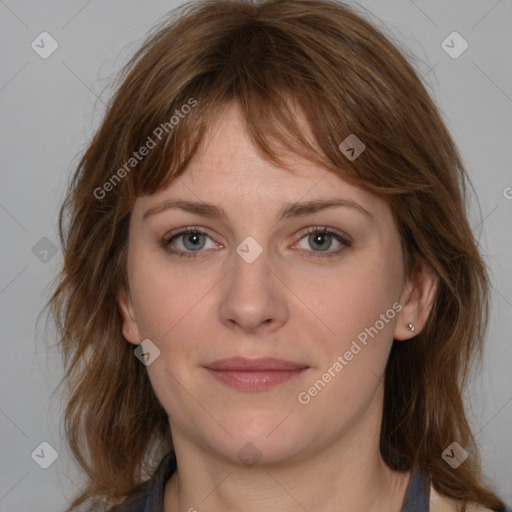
x=417, y=300
x=130, y=328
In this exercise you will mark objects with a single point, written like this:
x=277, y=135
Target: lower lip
x=255, y=380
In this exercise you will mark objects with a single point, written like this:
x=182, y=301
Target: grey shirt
x=151, y=497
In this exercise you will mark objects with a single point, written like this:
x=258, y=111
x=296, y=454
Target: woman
x=271, y=290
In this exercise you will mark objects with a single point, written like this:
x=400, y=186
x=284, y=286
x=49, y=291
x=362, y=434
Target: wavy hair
x=347, y=77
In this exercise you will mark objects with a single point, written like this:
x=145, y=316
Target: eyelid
x=327, y=230
x=183, y=231
x=340, y=236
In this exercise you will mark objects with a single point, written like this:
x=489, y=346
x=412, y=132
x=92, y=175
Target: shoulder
x=439, y=503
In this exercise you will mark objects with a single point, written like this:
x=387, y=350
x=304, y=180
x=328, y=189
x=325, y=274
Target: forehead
x=230, y=171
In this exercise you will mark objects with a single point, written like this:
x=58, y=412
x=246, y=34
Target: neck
x=346, y=474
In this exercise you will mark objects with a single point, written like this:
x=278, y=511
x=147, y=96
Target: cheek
x=167, y=308
x=164, y=298
x=359, y=308
x=356, y=296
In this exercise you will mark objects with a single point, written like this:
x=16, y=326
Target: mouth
x=254, y=374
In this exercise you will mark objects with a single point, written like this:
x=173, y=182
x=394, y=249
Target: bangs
x=280, y=119
x=296, y=93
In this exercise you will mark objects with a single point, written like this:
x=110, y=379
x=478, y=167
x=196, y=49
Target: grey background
x=49, y=110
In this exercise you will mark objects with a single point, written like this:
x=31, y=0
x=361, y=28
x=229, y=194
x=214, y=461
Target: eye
x=189, y=241
x=323, y=238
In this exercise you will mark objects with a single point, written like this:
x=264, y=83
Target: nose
x=254, y=296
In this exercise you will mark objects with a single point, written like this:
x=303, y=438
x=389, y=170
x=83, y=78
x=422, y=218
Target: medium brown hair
x=347, y=78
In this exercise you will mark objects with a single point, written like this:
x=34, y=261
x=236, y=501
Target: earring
x=411, y=327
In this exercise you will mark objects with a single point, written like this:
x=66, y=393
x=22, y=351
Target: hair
x=270, y=58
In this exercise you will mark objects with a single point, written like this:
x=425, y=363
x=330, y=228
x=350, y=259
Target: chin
x=261, y=438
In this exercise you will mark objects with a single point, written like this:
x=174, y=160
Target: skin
x=323, y=455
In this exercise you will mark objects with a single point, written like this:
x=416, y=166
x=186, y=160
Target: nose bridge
x=251, y=266
x=252, y=295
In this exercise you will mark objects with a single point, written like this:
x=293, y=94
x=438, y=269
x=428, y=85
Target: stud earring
x=411, y=327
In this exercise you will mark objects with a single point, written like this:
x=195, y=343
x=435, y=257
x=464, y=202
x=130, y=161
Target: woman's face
x=261, y=281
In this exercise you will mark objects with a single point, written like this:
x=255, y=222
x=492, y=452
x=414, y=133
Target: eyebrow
x=289, y=210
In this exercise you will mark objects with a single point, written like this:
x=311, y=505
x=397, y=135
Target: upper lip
x=259, y=364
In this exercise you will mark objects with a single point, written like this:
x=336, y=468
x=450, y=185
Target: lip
x=254, y=374
x=258, y=364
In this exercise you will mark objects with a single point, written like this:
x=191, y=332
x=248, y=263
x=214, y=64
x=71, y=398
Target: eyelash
x=345, y=242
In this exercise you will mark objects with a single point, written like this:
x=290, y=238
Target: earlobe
x=130, y=328
x=417, y=299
